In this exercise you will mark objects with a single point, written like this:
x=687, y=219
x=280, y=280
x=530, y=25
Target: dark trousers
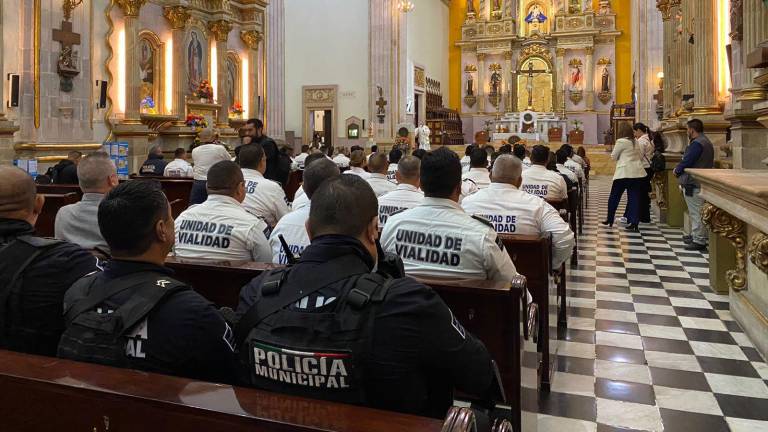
x=633, y=187
x=199, y=193
x=645, y=197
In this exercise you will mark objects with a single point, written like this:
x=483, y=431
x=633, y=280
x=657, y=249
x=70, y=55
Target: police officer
x=134, y=314
x=293, y=225
x=154, y=165
x=572, y=164
x=220, y=228
x=561, y=158
x=407, y=194
x=539, y=181
x=378, y=178
x=394, y=158
x=300, y=199
x=478, y=169
x=465, y=160
x=437, y=238
x=519, y=151
x=263, y=198
x=513, y=211
x=357, y=164
x=41, y=270
x=330, y=329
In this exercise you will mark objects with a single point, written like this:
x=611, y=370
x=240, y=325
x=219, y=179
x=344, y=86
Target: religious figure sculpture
x=195, y=62
x=495, y=83
x=606, y=85
x=423, y=136
x=576, y=77
x=470, y=85
x=535, y=15
x=146, y=63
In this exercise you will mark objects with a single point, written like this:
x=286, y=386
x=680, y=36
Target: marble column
x=177, y=17
x=687, y=59
x=275, y=46
x=7, y=128
x=252, y=39
x=705, y=81
x=589, y=73
x=131, y=10
x=755, y=15
x=508, y=81
x=480, y=83
x=560, y=78
x=220, y=30
x=667, y=13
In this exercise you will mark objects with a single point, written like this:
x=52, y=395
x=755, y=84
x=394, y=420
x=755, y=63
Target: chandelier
x=405, y=6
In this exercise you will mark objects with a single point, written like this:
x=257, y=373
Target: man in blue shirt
x=699, y=154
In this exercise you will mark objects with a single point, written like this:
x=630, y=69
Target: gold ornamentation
x=604, y=61
x=470, y=68
x=251, y=38
x=494, y=100
x=734, y=230
x=177, y=16
x=575, y=62
x=507, y=55
x=536, y=49
x=480, y=57
x=319, y=95
x=590, y=50
x=560, y=52
x=130, y=8
x=758, y=252
x=605, y=96
x=576, y=96
x=220, y=29
x=419, y=77
x=494, y=67
x=470, y=101
x=69, y=6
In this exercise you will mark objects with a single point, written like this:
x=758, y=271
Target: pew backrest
x=46, y=220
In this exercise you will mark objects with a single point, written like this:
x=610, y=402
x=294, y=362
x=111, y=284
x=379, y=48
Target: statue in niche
x=230, y=82
x=470, y=85
x=195, y=62
x=495, y=83
x=576, y=77
x=606, y=78
x=535, y=15
x=147, y=69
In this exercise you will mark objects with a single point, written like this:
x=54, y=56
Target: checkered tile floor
x=649, y=345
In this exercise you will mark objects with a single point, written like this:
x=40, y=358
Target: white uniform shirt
x=513, y=211
x=480, y=176
x=439, y=239
x=298, y=161
x=527, y=163
x=380, y=184
x=579, y=160
x=221, y=229
x=264, y=198
x=562, y=169
x=178, y=168
x=404, y=197
x=300, y=199
x=358, y=172
x=391, y=170
x=206, y=156
x=341, y=161
x=646, y=150
x=292, y=227
x=576, y=168
x=543, y=183
x=465, y=164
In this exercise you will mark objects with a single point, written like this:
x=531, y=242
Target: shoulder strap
x=343, y=267
x=16, y=256
x=145, y=299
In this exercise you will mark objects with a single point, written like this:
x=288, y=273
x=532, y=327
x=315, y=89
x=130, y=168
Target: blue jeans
x=699, y=231
x=199, y=193
x=633, y=188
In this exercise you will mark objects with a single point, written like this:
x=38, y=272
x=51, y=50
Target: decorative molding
x=177, y=16
x=576, y=96
x=131, y=8
x=220, y=29
x=758, y=252
x=734, y=230
x=560, y=52
x=251, y=38
x=57, y=147
x=470, y=101
x=662, y=196
x=605, y=96
x=419, y=77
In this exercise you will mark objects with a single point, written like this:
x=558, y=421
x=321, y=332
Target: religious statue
x=605, y=7
x=470, y=85
x=146, y=63
x=495, y=83
x=606, y=85
x=535, y=15
x=423, y=136
x=195, y=62
x=576, y=77
x=381, y=103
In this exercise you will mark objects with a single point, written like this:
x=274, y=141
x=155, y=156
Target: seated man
x=341, y=159
x=374, y=149
x=293, y=225
x=300, y=199
x=263, y=198
x=519, y=152
x=220, y=228
x=478, y=169
x=394, y=158
x=298, y=161
x=205, y=156
x=572, y=163
x=407, y=194
x=78, y=223
x=561, y=157
x=539, y=181
x=154, y=165
x=357, y=165
x=134, y=314
x=513, y=211
x=415, y=351
x=378, y=178
x=465, y=160
x=40, y=269
x=437, y=238
x=178, y=167
x=65, y=172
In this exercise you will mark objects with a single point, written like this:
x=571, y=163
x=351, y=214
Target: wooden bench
x=45, y=225
x=59, y=189
x=176, y=189
x=570, y=206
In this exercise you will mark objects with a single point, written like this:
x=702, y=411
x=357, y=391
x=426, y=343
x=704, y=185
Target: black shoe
x=607, y=223
x=633, y=228
x=695, y=247
x=687, y=239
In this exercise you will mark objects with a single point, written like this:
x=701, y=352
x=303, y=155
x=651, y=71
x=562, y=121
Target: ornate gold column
x=589, y=72
x=177, y=17
x=220, y=30
x=481, y=83
x=131, y=10
x=252, y=39
x=705, y=84
x=561, y=74
x=734, y=230
x=667, y=11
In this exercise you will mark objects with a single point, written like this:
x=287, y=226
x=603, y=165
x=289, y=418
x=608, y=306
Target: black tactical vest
x=319, y=355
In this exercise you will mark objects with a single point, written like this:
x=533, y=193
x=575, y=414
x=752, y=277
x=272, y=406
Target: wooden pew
x=59, y=189
x=48, y=394
x=294, y=183
x=570, y=206
x=175, y=188
x=47, y=218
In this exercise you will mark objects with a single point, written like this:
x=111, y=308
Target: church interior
x=662, y=326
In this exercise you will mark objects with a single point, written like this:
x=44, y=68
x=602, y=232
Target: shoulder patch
x=483, y=220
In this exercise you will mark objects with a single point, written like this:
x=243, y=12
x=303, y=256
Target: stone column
x=705, y=83
x=687, y=60
x=131, y=10
x=755, y=15
x=589, y=69
x=7, y=128
x=220, y=30
x=252, y=39
x=560, y=74
x=275, y=46
x=177, y=17
x=481, y=83
x=508, y=80
x=669, y=76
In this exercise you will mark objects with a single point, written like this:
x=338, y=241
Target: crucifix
x=381, y=103
x=67, y=62
x=529, y=85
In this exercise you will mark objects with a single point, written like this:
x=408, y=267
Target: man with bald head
x=79, y=223
x=40, y=270
x=378, y=165
x=407, y=195
x=512, y=211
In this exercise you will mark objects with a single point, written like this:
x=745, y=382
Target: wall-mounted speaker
x=102, y=87
x=14, y=90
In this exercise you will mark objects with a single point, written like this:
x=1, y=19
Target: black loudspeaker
x=102, y=102
x=14, y=87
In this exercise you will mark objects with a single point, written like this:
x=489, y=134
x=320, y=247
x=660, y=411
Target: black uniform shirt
x=154, y=165
x=183, y=335
x=421, y=351
x=44, y=283
x=64, y=172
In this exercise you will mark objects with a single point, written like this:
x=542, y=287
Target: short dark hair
x=319, y=172
x=478, y=159
x=374, y=148
x=469, y=149
x=304, y=148
x=224, y=177
x=696, y=125
x=395, y=155
x=519, y=151
x=440, y=173
x=640, y=127
x=505, y=149
x=568, y=149
x=343, y=205
x=179, y=152
x=258, y=124
x=419, y=153
x=561, y=156
x=313, y=157
x=540, y=154
x=250, y=155
x=378, y=163
x=128, y=215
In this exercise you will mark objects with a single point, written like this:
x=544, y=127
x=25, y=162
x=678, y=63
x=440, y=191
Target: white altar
x=528, y=125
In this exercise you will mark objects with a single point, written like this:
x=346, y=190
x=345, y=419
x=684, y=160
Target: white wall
x=326, y=43
x=428, y=39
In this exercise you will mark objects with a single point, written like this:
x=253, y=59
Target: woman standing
x=641, y=133
x=628, y=177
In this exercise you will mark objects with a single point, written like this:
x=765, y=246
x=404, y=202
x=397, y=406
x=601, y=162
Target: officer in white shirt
x=478, y=169
x=293, y=225
x=465, y=160
x=204, y=157
x=357, y=165
x=220, y=228
x=572, y=164
x=264, y=198
x=378, y=178
x=374, y=149
x=513, y=211
x=178, y=167
x=519, y=151
x=539, y=181
x=341, y=158
x=300, y=199
x=394, y=158
x=298, y=161
x=407, y=194
x=561, y=158
x=438, y=238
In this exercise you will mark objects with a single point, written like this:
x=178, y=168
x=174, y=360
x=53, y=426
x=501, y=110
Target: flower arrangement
x=148, y=105
x=236, y=110
x=196, y=121
x=204, y=90
x=577, y=124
